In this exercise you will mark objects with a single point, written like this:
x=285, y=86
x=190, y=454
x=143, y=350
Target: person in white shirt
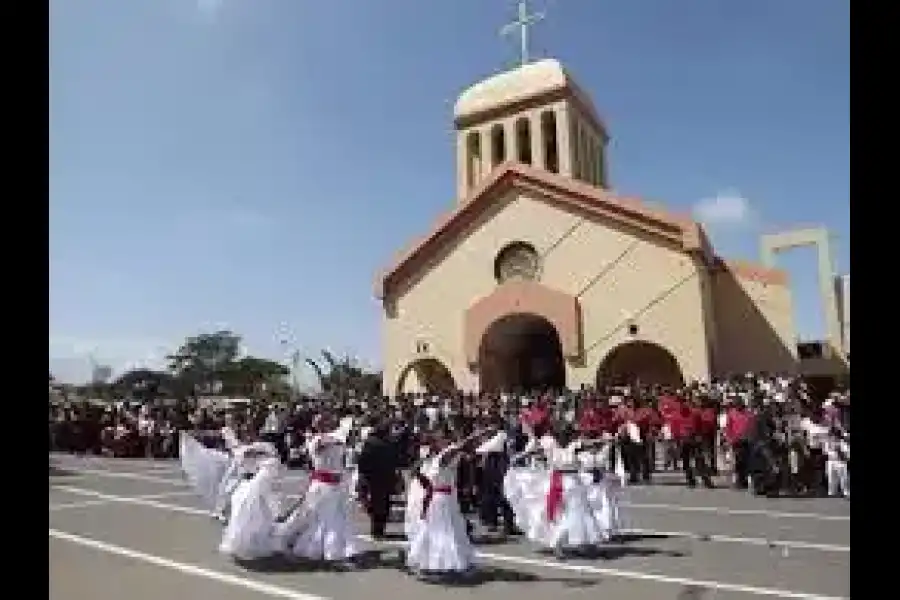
x=273, y=431
x=837, y=464
x=495, y=461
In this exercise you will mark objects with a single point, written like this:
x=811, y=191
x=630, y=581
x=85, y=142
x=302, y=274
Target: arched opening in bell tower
x=498, y=145
x=473, y=158
x=548, y=138
x=523, y=140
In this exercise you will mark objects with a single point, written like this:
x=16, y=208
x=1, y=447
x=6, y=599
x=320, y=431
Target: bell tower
x=534, y=114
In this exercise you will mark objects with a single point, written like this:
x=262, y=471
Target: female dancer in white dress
x=524, y=480
x=321, y=528
x=415, y=494
x=562, y=519
x=215, y=474
x=603, y=487
x=254, y=506
x=439, y=542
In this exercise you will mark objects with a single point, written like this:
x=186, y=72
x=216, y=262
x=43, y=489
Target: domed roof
x=522, y=83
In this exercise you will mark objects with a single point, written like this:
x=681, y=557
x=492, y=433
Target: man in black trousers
x=495, y=453
x=378, y=464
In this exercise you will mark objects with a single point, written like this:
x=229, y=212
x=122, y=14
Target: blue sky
x=199, y=149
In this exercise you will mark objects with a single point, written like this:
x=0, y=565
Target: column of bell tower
x=537, y=104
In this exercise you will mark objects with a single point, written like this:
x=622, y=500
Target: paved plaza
x=132, y=530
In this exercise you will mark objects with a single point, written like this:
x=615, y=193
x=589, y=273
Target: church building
x=542, y=278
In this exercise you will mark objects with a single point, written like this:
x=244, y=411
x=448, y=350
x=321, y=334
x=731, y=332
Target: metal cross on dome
x=522, y=23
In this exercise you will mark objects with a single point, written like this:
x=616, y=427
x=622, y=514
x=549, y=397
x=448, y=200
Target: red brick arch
x=524, y=297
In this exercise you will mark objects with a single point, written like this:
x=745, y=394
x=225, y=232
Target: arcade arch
x=521, y=353
x=425, y=375
x=639, y=362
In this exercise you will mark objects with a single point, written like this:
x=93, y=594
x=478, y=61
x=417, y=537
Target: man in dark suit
x=378, y=464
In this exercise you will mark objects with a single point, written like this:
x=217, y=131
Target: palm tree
x=340, y=376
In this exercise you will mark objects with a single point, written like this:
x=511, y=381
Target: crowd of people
x=764, y=425
x=549, y=466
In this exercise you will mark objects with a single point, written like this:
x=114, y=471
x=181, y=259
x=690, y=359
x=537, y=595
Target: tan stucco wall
x=754, y=324
x=616, y=275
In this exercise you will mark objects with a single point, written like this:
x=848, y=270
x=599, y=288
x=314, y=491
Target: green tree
x=253, y=377
x=145, y=384
x=202, y=360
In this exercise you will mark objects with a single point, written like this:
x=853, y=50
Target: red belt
x=430, y=491
x=554, y=495
x=327, y=477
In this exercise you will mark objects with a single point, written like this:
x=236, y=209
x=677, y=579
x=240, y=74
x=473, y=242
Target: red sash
x=554, y=495
x=326, y=477
x=430, y=491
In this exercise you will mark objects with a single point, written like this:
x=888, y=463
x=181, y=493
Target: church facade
x=543, y=278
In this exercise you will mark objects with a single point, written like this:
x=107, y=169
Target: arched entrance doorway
x=640, y=362
x=426, y=375
x=521, y=352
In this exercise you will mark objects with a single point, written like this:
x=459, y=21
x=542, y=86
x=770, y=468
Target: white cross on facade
x=522, y=23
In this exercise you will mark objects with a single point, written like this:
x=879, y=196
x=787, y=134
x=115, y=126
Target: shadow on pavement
x=629, y=537
x=280, y=564
x=692, y=592
x=491, y=574
x=615, y=552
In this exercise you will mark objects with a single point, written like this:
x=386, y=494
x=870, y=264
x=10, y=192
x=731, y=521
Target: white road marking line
x=88, y=503
x=638, y=575
x=738, y=511
x=718, y=510
x=155, y=478
x=259, y=587
x=535, y=562
x=85, y=504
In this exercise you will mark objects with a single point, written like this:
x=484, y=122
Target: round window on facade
x=518, y=260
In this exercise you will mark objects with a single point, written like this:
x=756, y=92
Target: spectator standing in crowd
x=378, y=466
x=782, y=449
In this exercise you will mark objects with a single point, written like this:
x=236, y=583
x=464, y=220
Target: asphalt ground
x=132, y=529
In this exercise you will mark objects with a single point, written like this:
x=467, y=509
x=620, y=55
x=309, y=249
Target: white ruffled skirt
x=249, y=534
x=439, y=542
x=576, y=525
x=412, y=514
x=604, y=498
x=523, y=487
x=206, y=470
x=321, y=528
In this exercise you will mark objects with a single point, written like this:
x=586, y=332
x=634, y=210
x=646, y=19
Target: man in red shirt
x=649, y=423
x=738, y=423
x=703, y=442
x=685, y=424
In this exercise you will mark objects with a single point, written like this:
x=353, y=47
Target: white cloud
x=725, y=209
